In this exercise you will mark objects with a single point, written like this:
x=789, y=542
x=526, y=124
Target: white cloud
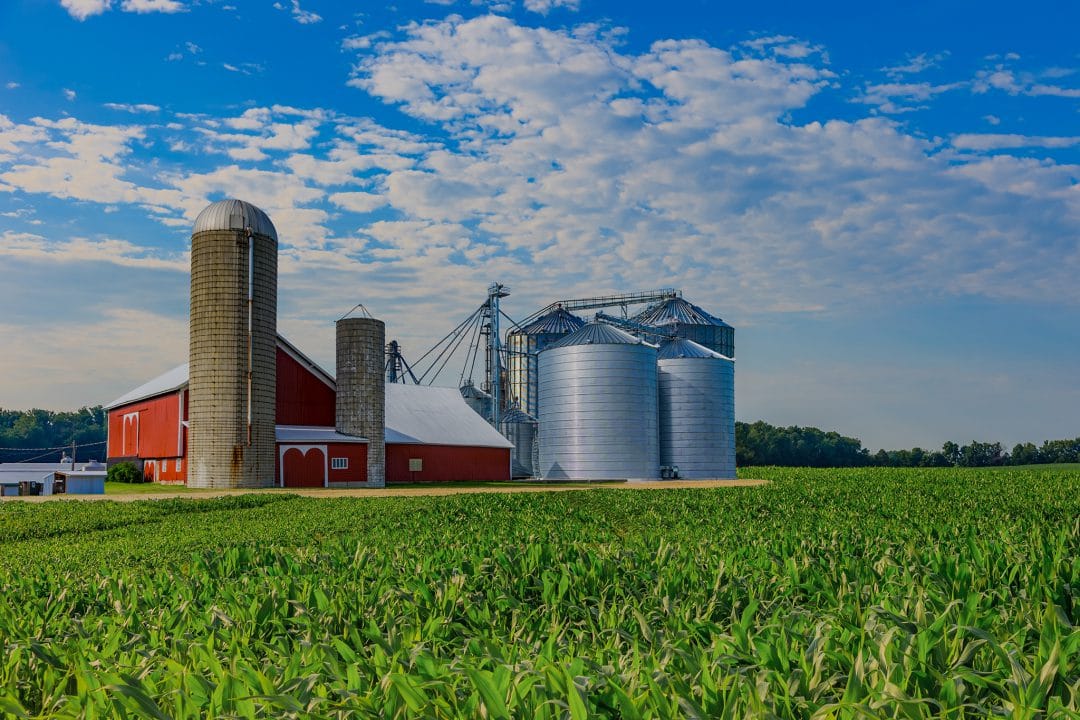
x=243, y=68
x=989, y=141
x=266, y=135
x=898, y=97
x=69, y=93
x=71, y=159
x=914, y=64
x=149, y=6
x=82, y=9
x=358, y=202
x=363, y=42
x=304, y=17
x=561, y=159
x=1008, y=81
x=83, y=250
x=133, y=108
x=12, y=85
x=545, y=6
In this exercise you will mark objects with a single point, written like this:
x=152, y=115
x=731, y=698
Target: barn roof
x=436, y=416
x=302, y=434
x=167, y=382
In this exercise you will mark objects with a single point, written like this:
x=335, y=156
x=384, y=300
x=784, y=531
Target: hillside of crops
x=904, y=593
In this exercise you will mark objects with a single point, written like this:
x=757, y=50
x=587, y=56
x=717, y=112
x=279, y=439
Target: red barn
x=431, y=434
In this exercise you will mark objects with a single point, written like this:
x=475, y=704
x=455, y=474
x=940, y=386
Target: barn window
x=416, y=464
x=177, y=464
x=339, y=463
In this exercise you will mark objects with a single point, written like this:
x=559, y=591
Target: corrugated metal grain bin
x=523, y=344
x=697, y=410
x=520, y=428
x=598, y=419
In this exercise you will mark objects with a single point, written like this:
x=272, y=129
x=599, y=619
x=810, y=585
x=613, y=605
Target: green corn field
x=937, y=593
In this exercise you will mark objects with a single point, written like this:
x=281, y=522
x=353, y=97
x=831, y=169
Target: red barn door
x=303, y=465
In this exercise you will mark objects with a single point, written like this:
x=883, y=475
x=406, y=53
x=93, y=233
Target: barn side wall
x=447, y=463
x=302, y=398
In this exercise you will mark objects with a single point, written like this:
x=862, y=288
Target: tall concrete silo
x=598, y=418
x=233, y=347
x=686, y=320
x=361, y=389
x=697, y=410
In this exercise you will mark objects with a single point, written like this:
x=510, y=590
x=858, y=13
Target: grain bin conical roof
x=677, y=311
x=234, y=215
x=678, y=348
x=516, y=415
x=556, y=322
x=596, y=333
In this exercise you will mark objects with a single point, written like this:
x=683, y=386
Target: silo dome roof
x=596, y=333
x=678, y=348
x=234, y=215
x=556, y=322
x=469, y=390
x=677, y=311
x=516, y=415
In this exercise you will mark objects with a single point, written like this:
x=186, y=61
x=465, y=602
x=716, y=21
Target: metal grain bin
x=233, y=347
x=477, y=399
x=520, y=428
x=360, y=407
x=697, y=410
x=523, y=344
x=598, y=419
x=686, y=320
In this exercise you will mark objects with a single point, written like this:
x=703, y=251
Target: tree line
x=760, y=443
x=42, y=435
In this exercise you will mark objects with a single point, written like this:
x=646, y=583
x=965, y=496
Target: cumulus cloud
x=82, y=9
x=560, y=158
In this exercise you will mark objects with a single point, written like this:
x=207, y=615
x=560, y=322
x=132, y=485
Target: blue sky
x=884, y=201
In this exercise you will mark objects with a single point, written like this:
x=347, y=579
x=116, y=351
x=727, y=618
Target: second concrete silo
x=598, y=418
x=360, y=407
x=233, y=347
x=697, y=410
